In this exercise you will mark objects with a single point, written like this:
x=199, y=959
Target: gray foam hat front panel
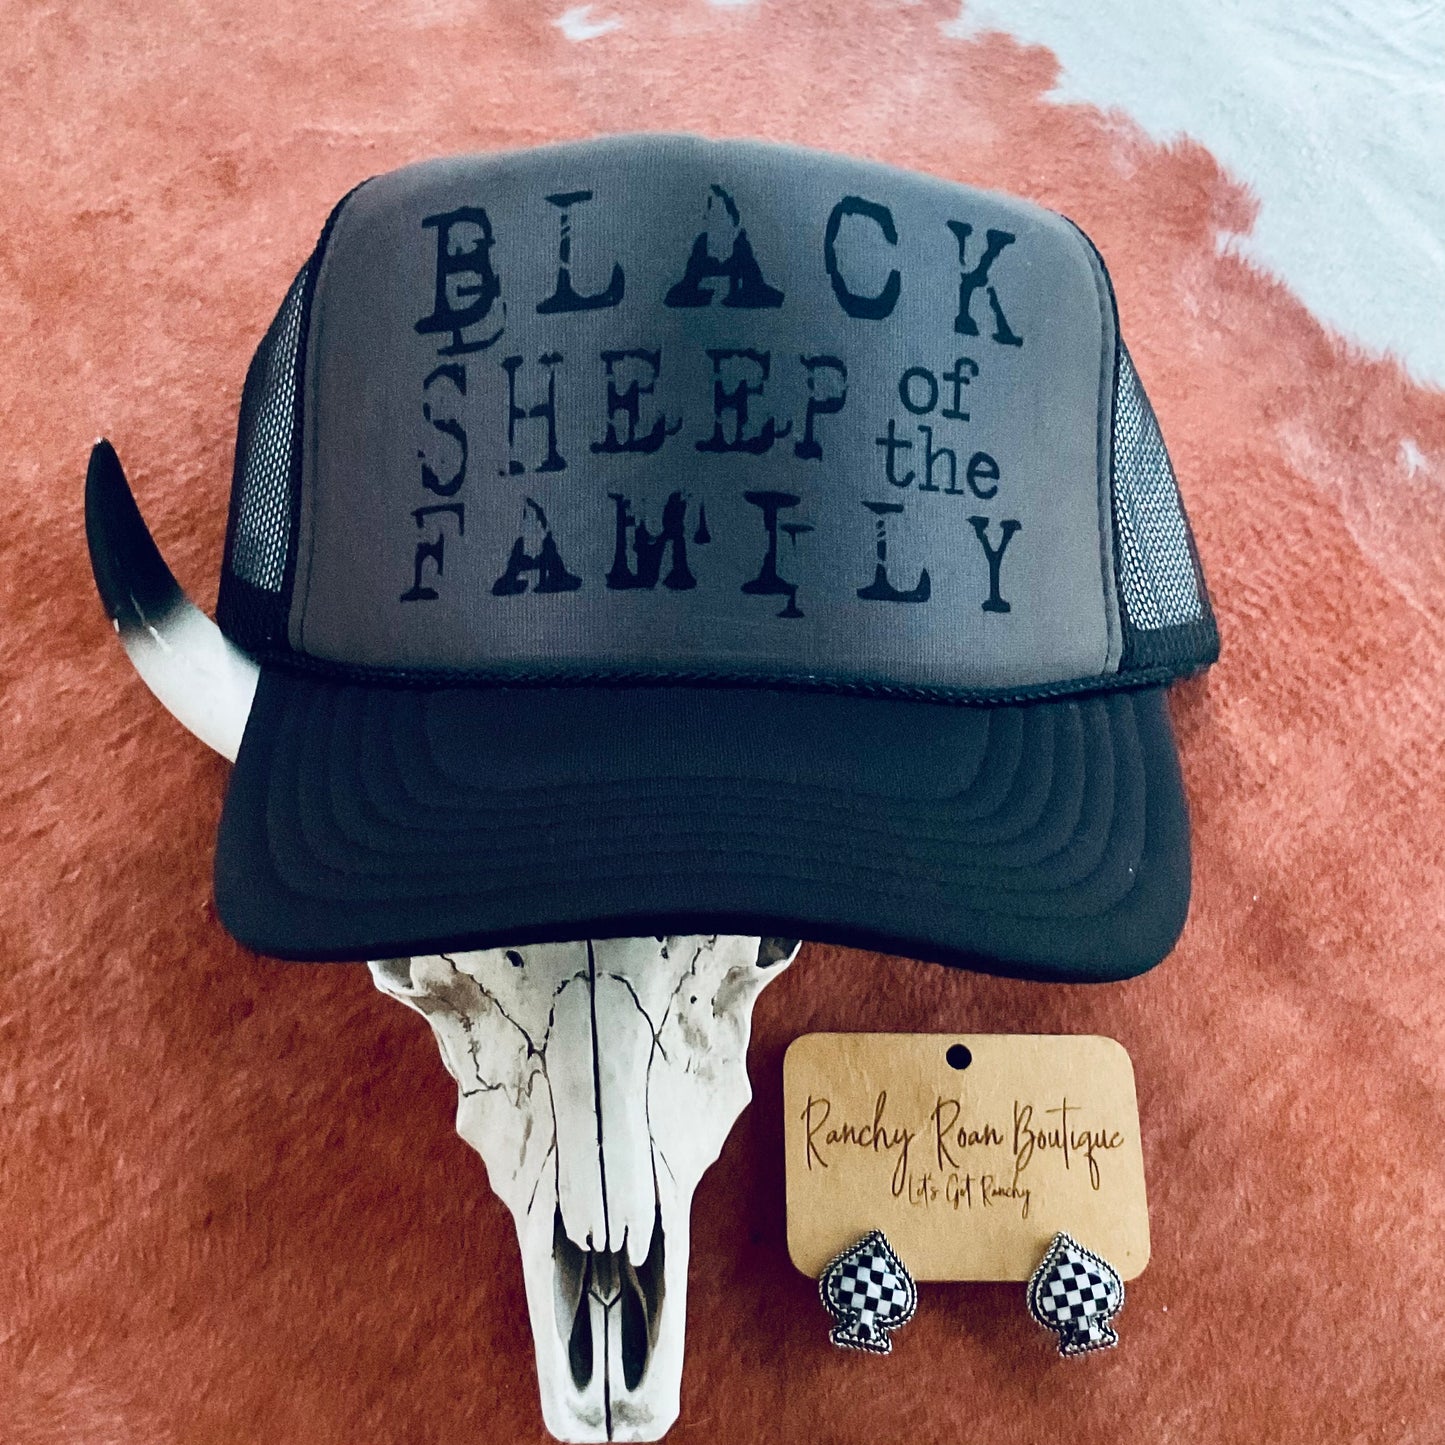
x=669, y=406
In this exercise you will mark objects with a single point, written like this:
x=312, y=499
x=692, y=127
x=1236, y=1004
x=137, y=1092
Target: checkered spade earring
x=1075, y=1293
x=869, y=1292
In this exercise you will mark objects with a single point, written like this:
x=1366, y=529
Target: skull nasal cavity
x=599, y=1293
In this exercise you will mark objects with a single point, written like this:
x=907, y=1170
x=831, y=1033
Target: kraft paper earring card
x=969, y=1151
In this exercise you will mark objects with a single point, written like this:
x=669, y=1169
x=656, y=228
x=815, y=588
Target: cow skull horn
x=198, y=674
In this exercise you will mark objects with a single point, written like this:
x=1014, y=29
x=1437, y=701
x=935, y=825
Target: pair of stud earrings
x=869, y=1292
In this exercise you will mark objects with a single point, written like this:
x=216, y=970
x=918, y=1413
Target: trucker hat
x=660, y=535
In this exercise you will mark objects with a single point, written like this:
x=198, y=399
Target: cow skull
x=598, y=1080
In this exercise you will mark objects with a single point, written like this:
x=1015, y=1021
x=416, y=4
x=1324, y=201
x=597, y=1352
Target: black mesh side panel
x=255, y=594
x=254, y=598
x=1168, y=622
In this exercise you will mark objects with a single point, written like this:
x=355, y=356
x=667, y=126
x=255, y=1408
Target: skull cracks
x=597, y=1079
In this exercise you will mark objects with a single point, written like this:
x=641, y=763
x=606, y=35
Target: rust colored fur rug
x=232, y=1208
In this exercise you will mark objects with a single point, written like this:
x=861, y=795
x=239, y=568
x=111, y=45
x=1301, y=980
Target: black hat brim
x=1045, y=840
